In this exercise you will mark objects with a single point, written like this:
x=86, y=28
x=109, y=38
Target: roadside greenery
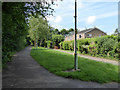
x=14, y=29
x=105, y=46
x=38, y=29
x=57, y=39
x=59, y=62
x=15, y=17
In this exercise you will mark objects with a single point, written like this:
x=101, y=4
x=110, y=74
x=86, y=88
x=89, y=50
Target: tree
x=116, y=32
x=57, y=39
x=70, y=30
x=55, y=31
x=15, y=16
x=64, y=32
x=38, y=29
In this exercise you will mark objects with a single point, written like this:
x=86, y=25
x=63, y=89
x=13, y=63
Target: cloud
x=58, y=19
x=80, y=4
x=91, y=19
x=107, y=14
x=57, y=26
x=53, y=19
x=49, y=18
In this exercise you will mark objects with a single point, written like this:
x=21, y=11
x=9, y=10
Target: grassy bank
x=58, y=62
x=105, y=57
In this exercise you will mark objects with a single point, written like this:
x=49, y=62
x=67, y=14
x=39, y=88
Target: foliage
x=49, y=44
x=38, y=29
x=105, y=46
x=63, y=32
x=42, y=8
x=82, y=42
x=14, y=29
x=57, y=39
x=56, y=31
x=70, y=30
x=15, y=16
x=58, y=62
x=67, y=45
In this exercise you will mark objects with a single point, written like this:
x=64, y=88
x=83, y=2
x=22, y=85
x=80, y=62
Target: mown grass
x=58, y=62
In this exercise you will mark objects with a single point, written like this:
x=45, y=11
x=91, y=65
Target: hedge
x=49, y=45
x=105, y=46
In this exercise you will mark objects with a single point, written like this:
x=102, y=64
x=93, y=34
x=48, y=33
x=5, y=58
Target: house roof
x=88, y=30
x=85, y=31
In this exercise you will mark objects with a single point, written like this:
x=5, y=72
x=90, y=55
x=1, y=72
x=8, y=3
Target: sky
x=102, y=14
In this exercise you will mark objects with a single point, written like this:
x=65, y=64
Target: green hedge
x=49, y=44
x=105, y=46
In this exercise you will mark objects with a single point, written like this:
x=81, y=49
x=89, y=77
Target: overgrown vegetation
x=58, y=62
x=14, y=29
x=15, y=24
x=105, y=46
x=38, y=29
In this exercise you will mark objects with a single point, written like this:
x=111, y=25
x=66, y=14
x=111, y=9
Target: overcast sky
x=91, y=13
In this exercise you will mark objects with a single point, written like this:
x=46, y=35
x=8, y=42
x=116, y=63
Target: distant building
x=87, y=33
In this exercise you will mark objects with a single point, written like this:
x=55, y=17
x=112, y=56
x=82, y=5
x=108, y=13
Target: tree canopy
x=15, y=17
x=38, y=28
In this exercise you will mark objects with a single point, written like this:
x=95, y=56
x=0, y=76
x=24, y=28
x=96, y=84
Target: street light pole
x=75, y=39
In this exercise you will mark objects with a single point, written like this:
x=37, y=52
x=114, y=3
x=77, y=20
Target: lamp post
x=75, y=39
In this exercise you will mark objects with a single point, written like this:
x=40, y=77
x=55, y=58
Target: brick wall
x=95, y=33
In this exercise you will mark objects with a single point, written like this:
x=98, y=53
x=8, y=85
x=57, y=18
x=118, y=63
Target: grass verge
x=58, y=62
x=105, y=57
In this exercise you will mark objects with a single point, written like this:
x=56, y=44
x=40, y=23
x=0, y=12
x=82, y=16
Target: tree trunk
x=40, y=43
x=34, y=43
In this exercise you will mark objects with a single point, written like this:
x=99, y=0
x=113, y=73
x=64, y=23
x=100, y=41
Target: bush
x=105, y=46
x=49, y=44
x=82, y=42
x=57, y=39
x=92, y=50
x=66, y=45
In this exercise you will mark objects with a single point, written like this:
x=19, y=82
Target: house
x=88, y=33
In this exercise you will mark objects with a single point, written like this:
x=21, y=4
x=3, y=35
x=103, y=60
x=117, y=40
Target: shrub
x=57, y=39
x=49, y=44
x=105, y=44
x=82, y=42
x=92, y=50
x=98, y=46
x=66, y=45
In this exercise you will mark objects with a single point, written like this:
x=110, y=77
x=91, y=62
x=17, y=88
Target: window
x=89, y=35
x=80, y=36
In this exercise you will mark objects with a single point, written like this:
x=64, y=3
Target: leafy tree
x=14, y=28
x=57, y=39
x=38, y=29
x=116, y=32
x=15, y=16
x=70, y=30
x=56, y=31
x=64, y=32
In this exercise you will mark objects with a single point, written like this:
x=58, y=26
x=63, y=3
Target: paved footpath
x=92, y=58
x=25, y=72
